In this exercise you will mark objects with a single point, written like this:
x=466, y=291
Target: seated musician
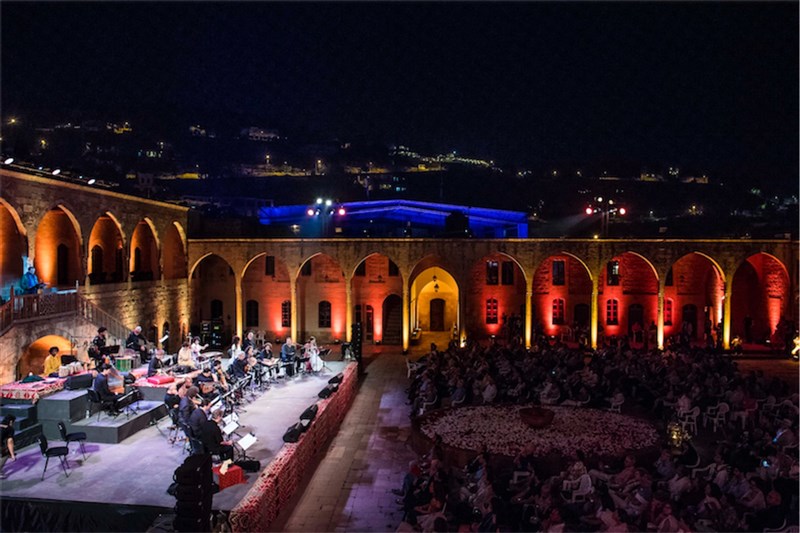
x=156, y=364
x=185, y=361
x=288, y=351
x=219, y=375
x=239, y=367
x=197, y=348
x=211, y=436
x=98, y=342
x=138, y=343
x=249, y=341
x=197, y=420
x=187, y=406
x=101, y=387
x=52, y=362
x=205, y=383
x=310, y=351
x=266, y=358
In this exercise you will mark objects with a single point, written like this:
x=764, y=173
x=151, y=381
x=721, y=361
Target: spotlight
x=328, y=202
x=341, y=211
x=589, y=211
x=8, y=161
x=310, y=212
x=622, y=211
x=319, y=200
x=56, y=172
x=91, y=181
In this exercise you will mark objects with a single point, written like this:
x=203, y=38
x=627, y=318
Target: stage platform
x=138, y=470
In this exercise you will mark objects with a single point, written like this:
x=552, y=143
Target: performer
x=249, y=341
x=196, y=348
x=312, y=355
x=52, y=362
x=235, y=349
x=95, y=347
x=138, y=343
x=101, y=386
x=156, y=363
x=219, y=375
x=197, y=420
x=211, y=435
x=30, y=282
x=288, y=354
x=239, y=367
x=205, y=383
x=7, y=442
x=185, y=361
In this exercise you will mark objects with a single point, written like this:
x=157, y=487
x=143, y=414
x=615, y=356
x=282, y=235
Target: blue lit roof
x=482, y=221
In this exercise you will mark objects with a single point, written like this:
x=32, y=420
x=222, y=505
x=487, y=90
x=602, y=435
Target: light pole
x=605, y=207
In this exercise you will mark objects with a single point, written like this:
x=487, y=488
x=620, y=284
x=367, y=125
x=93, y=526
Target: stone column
x=595, y=311
x=406, y=313
x=660, y=315
x=726, y=312
x=237, y=284
x=348, y=317
x=293, y=299
x=528, y=312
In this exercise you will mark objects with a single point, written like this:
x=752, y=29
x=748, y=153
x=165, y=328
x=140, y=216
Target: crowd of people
x=740, y=476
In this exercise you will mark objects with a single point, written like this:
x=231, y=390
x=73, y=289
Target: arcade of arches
x=279, y=293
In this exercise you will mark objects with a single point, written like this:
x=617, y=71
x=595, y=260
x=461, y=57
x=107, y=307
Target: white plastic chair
x=616, y=406
x=688, y=420
x=719, y=418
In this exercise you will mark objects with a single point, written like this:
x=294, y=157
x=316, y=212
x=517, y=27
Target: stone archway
x=375, y=279
x=32, y=359
x=106, y=252
x=266, y=281
x=321, y=300
x=759, y=300
x=213, y=301
x=58, y=256
x=143, y=263
x=14, y=250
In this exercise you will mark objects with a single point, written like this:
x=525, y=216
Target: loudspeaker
x=79, y=381
x=327, y=391
x=293, y=432
x=310, y=413
x=337, y=378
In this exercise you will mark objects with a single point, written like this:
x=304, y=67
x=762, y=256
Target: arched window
x=286, y=314
x=668, y=311
x=491, y=311
x=612, y=312
x=492, y=274
x=558, y=311
x=251, y=314
x=216, y=309
x=324, y=314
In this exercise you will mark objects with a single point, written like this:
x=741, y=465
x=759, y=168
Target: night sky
x=712, y=87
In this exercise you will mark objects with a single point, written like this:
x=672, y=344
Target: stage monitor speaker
x=310, y=413
x=329, y=390
x=337, y=378
x=78, y=381
x=293, y=432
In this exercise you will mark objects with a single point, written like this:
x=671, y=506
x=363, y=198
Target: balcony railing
x=32, y=307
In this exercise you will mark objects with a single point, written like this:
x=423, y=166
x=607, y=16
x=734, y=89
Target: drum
x=123, y=364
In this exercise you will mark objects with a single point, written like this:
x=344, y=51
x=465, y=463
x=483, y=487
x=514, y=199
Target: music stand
x=230, y=428
x=244, y=444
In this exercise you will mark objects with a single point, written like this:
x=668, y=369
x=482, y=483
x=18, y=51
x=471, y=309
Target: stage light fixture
x=310, y=413
x=336, y=379
x=341, y=211
x=310, y=212
x=622, y=211
x=589, y=211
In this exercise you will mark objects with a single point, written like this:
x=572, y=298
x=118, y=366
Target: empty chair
x=56, y=451
x=616, y=405
x=104, y=405
x=78, y=436
x=718, y=416
x=688, y=420
x=429, y=405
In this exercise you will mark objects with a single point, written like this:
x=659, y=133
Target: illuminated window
x=612, y=312
x=269, y=269
x=324, y=314
x=558, y=272
x=491, y=273
x=286, y=314
x=491, y=311
x=507, y=274
x=668, y=311
x=558, y=311
x=251, y=314
x=361, y=269
x=306, y=270
x=612, y=273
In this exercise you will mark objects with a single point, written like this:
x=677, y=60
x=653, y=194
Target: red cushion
x=160, y=380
